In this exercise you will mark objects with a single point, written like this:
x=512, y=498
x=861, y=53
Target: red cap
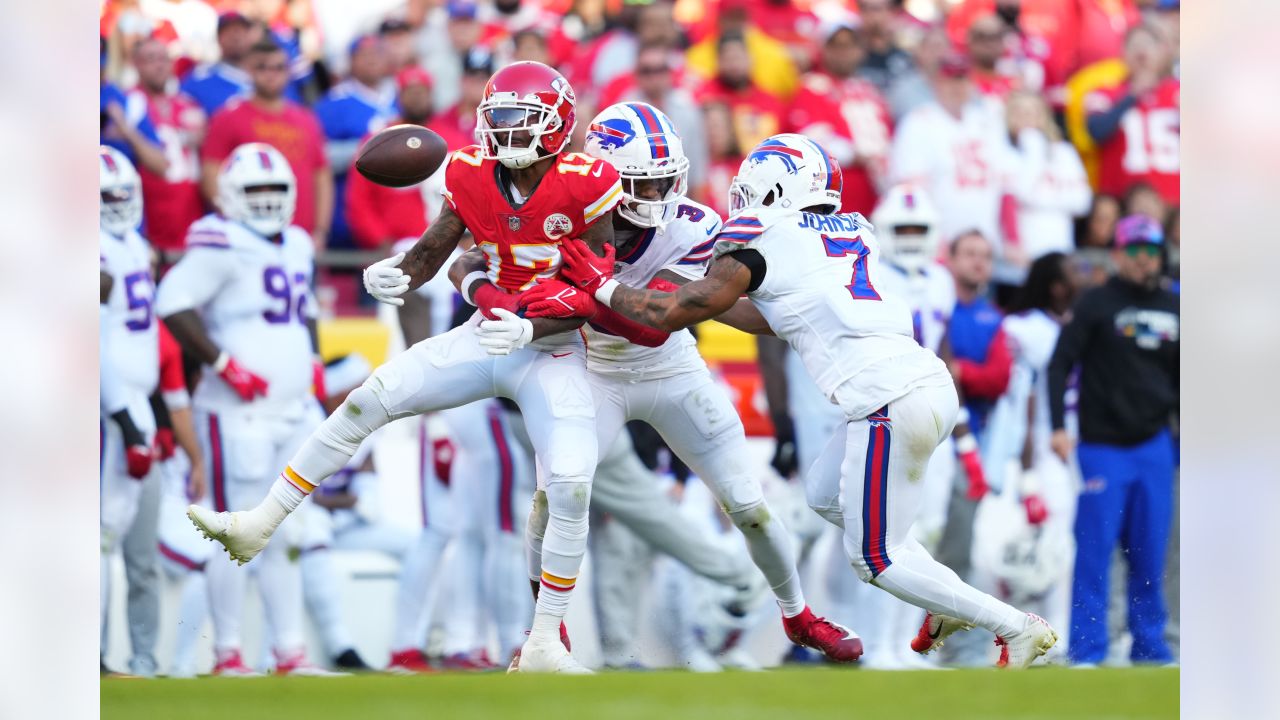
x=413, y=75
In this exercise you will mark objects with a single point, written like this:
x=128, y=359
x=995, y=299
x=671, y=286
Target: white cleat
x=1018, y=651
x=240, y=533
x=935, y=629
x=549, y=656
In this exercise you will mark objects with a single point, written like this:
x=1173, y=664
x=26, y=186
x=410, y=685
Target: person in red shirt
x=381, y=215
x=267, y=117
x=985, y=42
x=724, y=157
x=756, y=114
x=846, y=115
x=1137, y=126
x=172, y=200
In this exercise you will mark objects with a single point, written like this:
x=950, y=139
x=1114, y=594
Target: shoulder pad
x=209, y=231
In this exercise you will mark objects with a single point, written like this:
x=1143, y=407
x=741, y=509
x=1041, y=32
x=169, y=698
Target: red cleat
x=468, y=662
x=838, y=643
x=409, y=662
x=935, y=629
x=230, y=664
x=564, y=637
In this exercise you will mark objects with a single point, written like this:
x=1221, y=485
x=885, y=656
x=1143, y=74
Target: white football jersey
x=684, y=247
x=1033, y=335
x=819, y=293
x=255, y=298
x=930, y=296
x=129, y=333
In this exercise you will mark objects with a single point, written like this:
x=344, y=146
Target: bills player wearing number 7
x=240, y=301
x=811, y=273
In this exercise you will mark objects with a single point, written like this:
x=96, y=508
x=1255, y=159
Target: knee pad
x=569, y=499
x=752, y=518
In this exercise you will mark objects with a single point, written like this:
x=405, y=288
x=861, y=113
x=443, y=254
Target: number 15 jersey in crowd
x=819, y=294
x=254, y=296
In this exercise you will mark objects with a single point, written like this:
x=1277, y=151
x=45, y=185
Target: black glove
x=785, y=460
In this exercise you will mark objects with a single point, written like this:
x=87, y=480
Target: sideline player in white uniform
x=666, y=241
x=811, y=274
x=130, y=355
x=240, y=301
x=521, y=198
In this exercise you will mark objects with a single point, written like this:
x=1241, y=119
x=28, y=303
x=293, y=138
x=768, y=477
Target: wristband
x=221, y=363
x=966, y=444
x=605, y=293
x=471, y=279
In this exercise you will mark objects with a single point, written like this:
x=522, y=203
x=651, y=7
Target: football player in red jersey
x=520, y=197
x=1138, y=125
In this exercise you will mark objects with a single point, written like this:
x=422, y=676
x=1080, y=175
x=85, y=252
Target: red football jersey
x=1146, y=148
x=854, y=111
x=522, y=243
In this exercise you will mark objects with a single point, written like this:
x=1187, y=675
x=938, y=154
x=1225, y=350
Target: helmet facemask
x=512, y=132
x=121, y=208
x=268, y=208
x=910, y=247
x=257, y=189
x=642, y=208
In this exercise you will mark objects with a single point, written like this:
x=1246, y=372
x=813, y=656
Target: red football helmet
x=528, y=113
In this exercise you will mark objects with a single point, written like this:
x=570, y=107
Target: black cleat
x=349, y=659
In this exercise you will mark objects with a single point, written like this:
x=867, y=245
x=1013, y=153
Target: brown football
x=401, y=155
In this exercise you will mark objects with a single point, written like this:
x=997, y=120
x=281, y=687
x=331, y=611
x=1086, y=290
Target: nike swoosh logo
x=554, y=355
x=599, y=169
x=711, y=230
x=934, y=635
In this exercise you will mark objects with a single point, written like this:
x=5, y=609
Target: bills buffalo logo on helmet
x=775, y=148
x=612, y=133
x=557, y=226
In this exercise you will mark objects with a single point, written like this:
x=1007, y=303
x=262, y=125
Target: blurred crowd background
x=1034, y=125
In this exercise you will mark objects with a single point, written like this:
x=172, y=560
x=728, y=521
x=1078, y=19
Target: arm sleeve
x=194, y=281
x=1072, y=343
x=611, y=322
x=989, y=378
x=1103, y=125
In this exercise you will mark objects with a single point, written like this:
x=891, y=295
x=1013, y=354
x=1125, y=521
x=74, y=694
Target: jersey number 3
x=861, y=287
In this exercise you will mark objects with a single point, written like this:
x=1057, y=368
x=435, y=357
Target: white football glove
x=504, y=336
x=385, y=281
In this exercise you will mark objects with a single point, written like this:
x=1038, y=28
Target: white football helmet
x=256, y=188
x=642, y=144
x=787, y=171
x=1026, y=559
x=907, y=227
x=120, y=208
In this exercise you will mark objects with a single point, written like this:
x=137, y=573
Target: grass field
x=1043, y=693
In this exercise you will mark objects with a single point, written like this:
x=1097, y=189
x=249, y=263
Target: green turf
x=777, y=695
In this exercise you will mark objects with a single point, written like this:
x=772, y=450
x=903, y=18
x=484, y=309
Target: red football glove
x=584, y=268
x=317, y=379
x=488, y=297
x=967, y=451
x=246, y=384
x=137, y=460
x=557, y=299
x=1037, y=512
x=442, y=454
x=166, y=444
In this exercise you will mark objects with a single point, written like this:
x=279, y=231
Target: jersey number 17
x=860, y=288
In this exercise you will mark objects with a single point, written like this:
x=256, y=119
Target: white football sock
x=565, y=542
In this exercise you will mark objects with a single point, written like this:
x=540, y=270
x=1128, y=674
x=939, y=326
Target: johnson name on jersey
x=129, y=335
x=521, y=240
x=684, y=247
x=819, y=294
x=254, y=296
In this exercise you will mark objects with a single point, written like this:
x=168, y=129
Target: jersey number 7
x=861, y=287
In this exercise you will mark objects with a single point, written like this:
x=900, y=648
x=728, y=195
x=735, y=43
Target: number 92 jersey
x=522, y=243
x=255, y=298
x=128, y=329
x=819, y=294
x=683, y=247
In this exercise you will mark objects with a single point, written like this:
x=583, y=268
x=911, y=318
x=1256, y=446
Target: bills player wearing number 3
x=240, y=301
x=811, y=273
x=521, y=198
x=664, y=240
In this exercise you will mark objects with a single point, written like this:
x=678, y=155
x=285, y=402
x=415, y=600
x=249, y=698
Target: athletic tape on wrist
x=605, y=293
x=471, y=279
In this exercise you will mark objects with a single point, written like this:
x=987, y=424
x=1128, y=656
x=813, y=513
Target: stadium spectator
x=213, y=84
x=654, y=81
x=1050, y=188
x=1137, y=126
x=980, y=361
x=846, y=115
x=171, y=201
x=530, y=44
x=134, y=136
x=1124, y=336
x=457, y=124
x=267, y=116
x=443, y=40
x=1099, y=227
x=193, y=24
x=613, y=53
x=725, y=156
x=768, y=61
x=380, y=215
x=886, y=61
x=398, y=36
x=985, y=43
x=914, y=87
x=956, y=148
x=292, y=25
x=1142, y=199
x=756, y=114
x=363, y=103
